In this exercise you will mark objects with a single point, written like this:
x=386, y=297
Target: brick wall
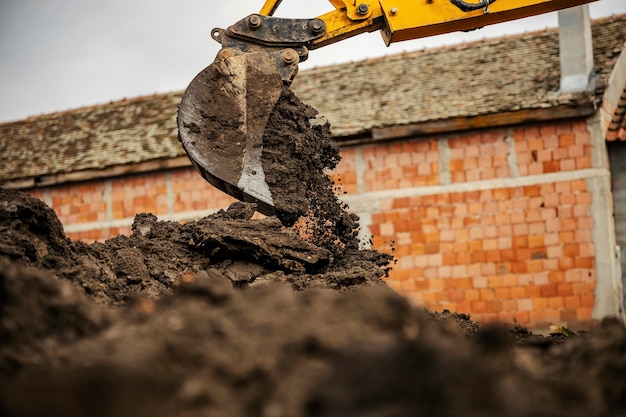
x=98, y=210
x=497, y=223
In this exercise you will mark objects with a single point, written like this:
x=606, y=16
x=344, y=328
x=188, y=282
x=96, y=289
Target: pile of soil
x=234, y=316
x=229, y=316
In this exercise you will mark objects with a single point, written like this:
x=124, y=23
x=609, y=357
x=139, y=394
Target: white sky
x=62, y=54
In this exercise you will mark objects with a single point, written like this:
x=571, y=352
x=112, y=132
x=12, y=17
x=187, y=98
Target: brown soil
x=229, y=316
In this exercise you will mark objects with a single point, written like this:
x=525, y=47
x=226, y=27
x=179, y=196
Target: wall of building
x=498, y=224
x=617, y=152
x=503, y=224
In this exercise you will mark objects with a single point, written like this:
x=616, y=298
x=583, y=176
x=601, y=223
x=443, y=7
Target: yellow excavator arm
x=224, y=111
x=400, y=20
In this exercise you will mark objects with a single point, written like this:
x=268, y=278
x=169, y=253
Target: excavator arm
x=224, y=111
x=400, y=20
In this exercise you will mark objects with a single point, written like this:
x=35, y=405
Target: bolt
x=394, y=10
x=362, y=9
x=289, y=56
x=254, y=21
x=317, y=26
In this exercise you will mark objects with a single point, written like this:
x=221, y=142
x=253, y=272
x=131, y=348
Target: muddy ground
x=234, y=316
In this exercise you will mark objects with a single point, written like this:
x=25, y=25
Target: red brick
x=551, y=166
x=584, y=313
x=508, y=279
x=549, y=290
x=523, y=254
x=472, y=295
x=478, y=306
x=565, y=289
x=535, y=241
x=518, y=267
x=521, y=229
x=520, y=242
x=572, y=302
x=521, y=316
x=534, y=266
x=555, y=302
x=585, y=223
x=568, y=315
x=567, y=164
x=540, y=303
x=508, y=255
x=494, y=306
x=566, y=263
x=583, y=162
x=494, y=281
x=465, y=283
x=463, y=258
x=556, y=277
x=586, y=263
x=503, y=293
x=566, y=139
x=581, y=288
x=587, y=300
x=487, y=294
x=570, y=250
x=492, y=256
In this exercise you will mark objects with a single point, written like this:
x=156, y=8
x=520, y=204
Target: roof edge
x=463, y=124
x=97, y=174
x=613, y=109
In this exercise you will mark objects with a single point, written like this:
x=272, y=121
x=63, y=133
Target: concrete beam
x=575, y=50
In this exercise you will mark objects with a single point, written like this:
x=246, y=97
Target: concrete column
x=444, y=161
x=511, y=157
x=575, y=49
x=609, y=286
x=609, y=292
x=170, y=198
x=365, y=217
x=47, y=198
x=108, y=199
x=359, y=166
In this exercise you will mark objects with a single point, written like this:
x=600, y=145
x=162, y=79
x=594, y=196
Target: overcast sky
x=61, y=54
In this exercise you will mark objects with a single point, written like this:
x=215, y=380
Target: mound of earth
x=230, y=316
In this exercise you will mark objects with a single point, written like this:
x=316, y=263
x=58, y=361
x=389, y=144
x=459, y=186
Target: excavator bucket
x=221, y=123
x=223, y=114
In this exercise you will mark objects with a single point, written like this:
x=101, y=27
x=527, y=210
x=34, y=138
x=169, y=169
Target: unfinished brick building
x=492, y=185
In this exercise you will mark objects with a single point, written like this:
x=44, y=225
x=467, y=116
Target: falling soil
x=299, y=183
x=234, y=316
x=263, y=145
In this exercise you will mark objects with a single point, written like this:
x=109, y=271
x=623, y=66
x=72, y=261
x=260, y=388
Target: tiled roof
x=121, y=132
x=617, y=127
x=486, y=77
